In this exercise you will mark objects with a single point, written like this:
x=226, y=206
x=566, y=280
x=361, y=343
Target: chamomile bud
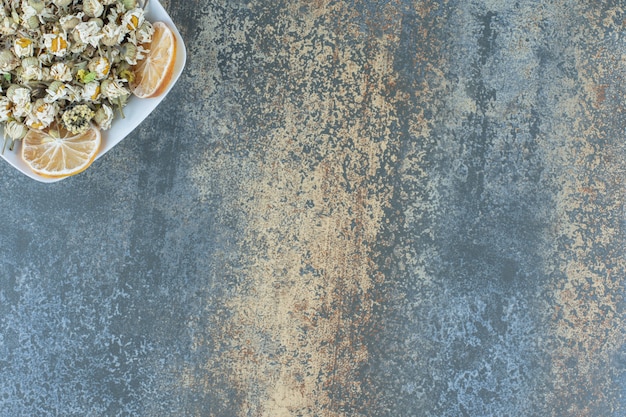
x=8, y=26
x=128, y=52
x=8, y=61
x=129, y=4
x=93, y=8
x=31, y=69
x=15, y=130
x=103, y=117
x=69, y=22
x=38, y=5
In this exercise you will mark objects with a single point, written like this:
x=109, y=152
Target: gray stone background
x=343, y=208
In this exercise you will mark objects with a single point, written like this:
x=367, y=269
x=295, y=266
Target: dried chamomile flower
x=74, y=93
x=78, y=119
x=70, y=21
x=56, y=43
x=8, y=26
x=20, y=97
x=61, y=72
x=100, y=66
x=93, y=8
x=30, y=69
x=57, y=90
x=42, y=115
x=91, y=91
x=15, y=130
x=47, y=59
x=87, y=33
x=37, y=5
x=144, y=33
x=115, y=13
x=112, y=34
x=113, y=89
x=8, y=61
x=23, y=47
x=29, y=17
x=124, y=71
x=15, y=92
x=103, y=117
x=129, y=52
x=133, y=19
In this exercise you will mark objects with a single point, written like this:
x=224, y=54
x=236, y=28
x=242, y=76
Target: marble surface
x=343, y=208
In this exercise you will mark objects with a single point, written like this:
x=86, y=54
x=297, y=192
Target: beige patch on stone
x=314, y=207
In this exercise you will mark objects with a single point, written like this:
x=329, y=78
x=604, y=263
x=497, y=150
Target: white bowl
x=136, y=110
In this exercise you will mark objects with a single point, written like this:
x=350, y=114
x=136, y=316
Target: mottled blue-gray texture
x=343, y=208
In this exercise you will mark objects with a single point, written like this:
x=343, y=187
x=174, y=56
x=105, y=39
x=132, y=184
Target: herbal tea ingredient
x=68, y=62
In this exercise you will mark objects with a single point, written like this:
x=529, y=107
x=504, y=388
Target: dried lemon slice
x=60, y=154
x=154, y=73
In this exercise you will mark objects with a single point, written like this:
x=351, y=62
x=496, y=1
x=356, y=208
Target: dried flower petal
x=144, y=33
x=7, y=26
x=5, y=109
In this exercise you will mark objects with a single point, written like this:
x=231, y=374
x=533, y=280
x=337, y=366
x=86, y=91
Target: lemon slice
x=58, y=157
x=154, y=73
